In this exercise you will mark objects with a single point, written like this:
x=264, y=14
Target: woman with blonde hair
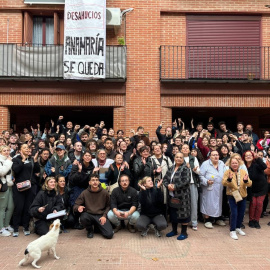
x=242, y=165
x=6, y=199
x=236, y=180
x=46, y=202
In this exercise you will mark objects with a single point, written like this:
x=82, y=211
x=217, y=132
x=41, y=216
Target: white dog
x=45, y=242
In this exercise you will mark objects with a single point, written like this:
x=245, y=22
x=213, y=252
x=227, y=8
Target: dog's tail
x=26, y=256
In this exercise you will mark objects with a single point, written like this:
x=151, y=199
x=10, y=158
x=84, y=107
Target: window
x=43, y=30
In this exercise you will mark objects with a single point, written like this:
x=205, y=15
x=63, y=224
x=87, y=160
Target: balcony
x=214, y=63
x=33, y=62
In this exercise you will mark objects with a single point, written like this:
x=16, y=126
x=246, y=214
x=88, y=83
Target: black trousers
x=41, y=227
x=88, y=220
x=22, y=202
x=159, y=220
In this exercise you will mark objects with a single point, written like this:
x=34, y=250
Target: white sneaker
x=233, y=235
x=194, y=228
x=9, y=228
x=239, y=231
x=209, y=225
x=4, y=232
x=220, y=222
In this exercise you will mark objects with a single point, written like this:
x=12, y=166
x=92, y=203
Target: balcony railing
x=214, y=63
x=30, y=61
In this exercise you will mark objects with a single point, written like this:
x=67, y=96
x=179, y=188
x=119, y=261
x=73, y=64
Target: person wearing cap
x=59, y=163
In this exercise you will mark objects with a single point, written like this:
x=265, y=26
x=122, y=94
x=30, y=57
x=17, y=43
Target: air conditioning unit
x=113, y=17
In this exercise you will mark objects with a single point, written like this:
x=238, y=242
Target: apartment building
x=165, y=60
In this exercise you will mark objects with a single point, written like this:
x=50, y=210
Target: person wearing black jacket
x=166, y=137
x=142, y=166
x=46, y=202
x=79, y=181
x=256, y=167
x=124, y=204
x=24, y=168
x=151, y=200
x=75, y=153
x=80, y=171
x=244, y=145
x=116, y=170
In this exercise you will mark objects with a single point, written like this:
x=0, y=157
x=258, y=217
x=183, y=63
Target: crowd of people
x=106, y=181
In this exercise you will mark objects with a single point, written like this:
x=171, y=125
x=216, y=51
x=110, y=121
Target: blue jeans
x=116, y=221
x=237, y=213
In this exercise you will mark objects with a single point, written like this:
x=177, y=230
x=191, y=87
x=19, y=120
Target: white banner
x=85, y=39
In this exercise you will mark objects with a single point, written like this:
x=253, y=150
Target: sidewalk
x=204, y=249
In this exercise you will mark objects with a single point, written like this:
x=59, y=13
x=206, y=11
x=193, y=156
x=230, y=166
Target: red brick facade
x=151, y=24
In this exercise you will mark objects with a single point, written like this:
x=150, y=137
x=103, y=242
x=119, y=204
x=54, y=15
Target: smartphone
x=122, y=214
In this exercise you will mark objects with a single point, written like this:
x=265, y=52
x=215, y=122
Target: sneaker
x=9, y=228
x=131, y=228
x=251, y=224
x=157, y=232
x=90, y=234
x=243, y=226
x=182, y=237
x=15, y=234
x=144, y=233
x=4, y=232
x=194, y=228
x=208, y=225
x=171, y=234
x=257, y=224
x=265, y=214
x=26, y=232
x=220, y=222
x=268, y=223
x=117, y=228
x=239, y=231
x=233, y=235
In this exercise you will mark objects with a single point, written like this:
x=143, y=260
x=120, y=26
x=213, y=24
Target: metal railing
x=214, y=63
x=31, y=61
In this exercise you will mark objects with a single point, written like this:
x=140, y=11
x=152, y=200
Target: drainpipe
x=7, y=29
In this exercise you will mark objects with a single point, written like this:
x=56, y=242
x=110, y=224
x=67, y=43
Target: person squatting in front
x=151, y=200
x=94, y=205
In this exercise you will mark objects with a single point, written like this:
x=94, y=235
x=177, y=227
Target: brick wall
x=148, y=26
x=4, y=118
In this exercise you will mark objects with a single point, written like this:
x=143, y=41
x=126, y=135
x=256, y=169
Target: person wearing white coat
x=211, y=174
x=6, y=199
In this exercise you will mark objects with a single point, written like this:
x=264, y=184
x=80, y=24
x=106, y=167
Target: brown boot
x=117, y=228
x=131, y=228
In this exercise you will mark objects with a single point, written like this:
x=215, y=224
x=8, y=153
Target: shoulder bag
x=22, y=186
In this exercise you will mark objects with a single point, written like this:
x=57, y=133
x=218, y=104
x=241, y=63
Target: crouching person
x=124, y=202
x=94, y=204
x=47, y=201
x=151, y=200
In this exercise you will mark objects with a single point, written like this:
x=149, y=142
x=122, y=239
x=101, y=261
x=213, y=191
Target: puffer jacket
x=5, y=170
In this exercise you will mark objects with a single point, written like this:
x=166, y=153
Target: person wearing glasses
x=102, y=164
x=211, y=175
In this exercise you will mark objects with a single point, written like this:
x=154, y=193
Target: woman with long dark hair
x=24, y=168
x=256, y=167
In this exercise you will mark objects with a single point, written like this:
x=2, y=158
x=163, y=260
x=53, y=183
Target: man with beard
x=124, y=204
